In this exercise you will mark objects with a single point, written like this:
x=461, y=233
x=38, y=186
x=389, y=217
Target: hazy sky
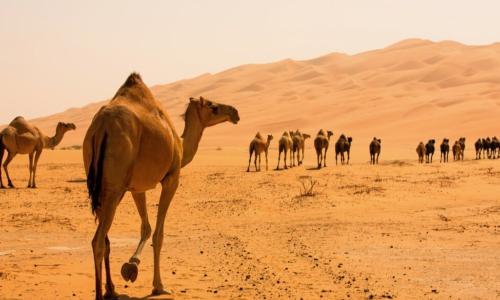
x=60, y=54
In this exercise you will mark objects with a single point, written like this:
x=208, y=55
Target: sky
x=55, y=55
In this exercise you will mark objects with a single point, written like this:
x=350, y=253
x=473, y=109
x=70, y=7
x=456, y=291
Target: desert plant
x=307, y=185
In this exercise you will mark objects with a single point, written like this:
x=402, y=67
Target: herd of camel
x=121, y=154
x=485, y=148
x=292, y=144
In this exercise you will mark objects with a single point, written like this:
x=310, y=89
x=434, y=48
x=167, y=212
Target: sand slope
x=411, y=91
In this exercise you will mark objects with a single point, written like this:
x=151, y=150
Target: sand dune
x=407, y=92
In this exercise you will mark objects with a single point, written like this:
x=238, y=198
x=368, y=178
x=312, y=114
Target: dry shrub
x=307, y=185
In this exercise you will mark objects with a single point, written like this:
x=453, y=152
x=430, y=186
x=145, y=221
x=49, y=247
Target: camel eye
x=215, y=109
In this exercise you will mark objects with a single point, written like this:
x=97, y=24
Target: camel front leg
x=130, y=269
x=10, y=156
x=348, y=156
x=37, y=156
x=169, y=187
x=266, y=160
x=285, y=153
x=259, y=161
x=30, y=157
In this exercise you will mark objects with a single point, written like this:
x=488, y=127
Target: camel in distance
x=342, y=145
x=257, y=146
x=121, y=152
x=321, y=142
x=444, y=150
x=285, y=145
x=375, y=147
x=20, y=137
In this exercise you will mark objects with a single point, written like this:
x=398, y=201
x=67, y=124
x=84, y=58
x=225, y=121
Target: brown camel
x=298, y=140
x=131, y=145
x=20, y=137
x=375, y=147
x=257, y=146
x=321, y=142
x=461, y=142
x=342, y=145
x=285, y=146
x=421, y=152
x=457, y=151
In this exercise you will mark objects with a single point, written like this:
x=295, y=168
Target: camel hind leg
x=105, y=216
x=130, y=269
x=250, y=160
x=324, y=157
x=279, y=158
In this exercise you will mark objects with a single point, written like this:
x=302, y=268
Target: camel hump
x=133, y=79
x=258, y=135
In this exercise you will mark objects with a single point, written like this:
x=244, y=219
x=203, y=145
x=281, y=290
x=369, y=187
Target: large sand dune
x=407, y=92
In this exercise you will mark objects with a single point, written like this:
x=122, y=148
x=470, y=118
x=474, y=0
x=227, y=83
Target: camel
x=461, y=142
x=494, y=146
x=445, y=150
x=486, y=147
x=257, y=146
x=321, y=142
x=429, y=150
x=20, y=137
x=421, y=152
x=132, y=145
x=298, y=140
x=478, y=145
x=342, y=145
x=285, y=146
x=375, y=147
x=457, y=151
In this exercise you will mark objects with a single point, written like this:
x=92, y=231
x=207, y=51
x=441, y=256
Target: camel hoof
x=11, y=185
x=157, y=292
x=129, y=271
x=111, y=295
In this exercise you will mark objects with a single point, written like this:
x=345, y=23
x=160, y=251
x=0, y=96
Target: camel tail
x=94, y=179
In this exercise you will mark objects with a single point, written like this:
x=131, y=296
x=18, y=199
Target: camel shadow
x=314, y=168
x=152, y=297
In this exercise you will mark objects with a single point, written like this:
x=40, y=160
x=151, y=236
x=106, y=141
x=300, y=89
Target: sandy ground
x=397, y=230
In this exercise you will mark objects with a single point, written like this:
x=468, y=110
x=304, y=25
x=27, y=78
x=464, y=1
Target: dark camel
x=342, y=145
x=375, y=147
x=445, y=150
x=429, y=150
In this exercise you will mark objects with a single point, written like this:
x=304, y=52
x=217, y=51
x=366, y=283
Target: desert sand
x=395, y=230
x=399, y=230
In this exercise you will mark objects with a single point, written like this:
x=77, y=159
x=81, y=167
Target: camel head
x=269, y=137
x=379, y=141
x=63, y=127
x=446, y=141
x=306, y=136
x=211, y=113
x=291, y=133
x=349, y=139
x=330, y=133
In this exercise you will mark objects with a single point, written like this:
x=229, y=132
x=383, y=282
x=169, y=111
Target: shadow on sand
x=151, y=297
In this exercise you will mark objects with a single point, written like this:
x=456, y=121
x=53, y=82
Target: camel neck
x=193, y=130
x=51, y=142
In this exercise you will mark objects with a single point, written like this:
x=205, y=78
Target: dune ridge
x=409, y=91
